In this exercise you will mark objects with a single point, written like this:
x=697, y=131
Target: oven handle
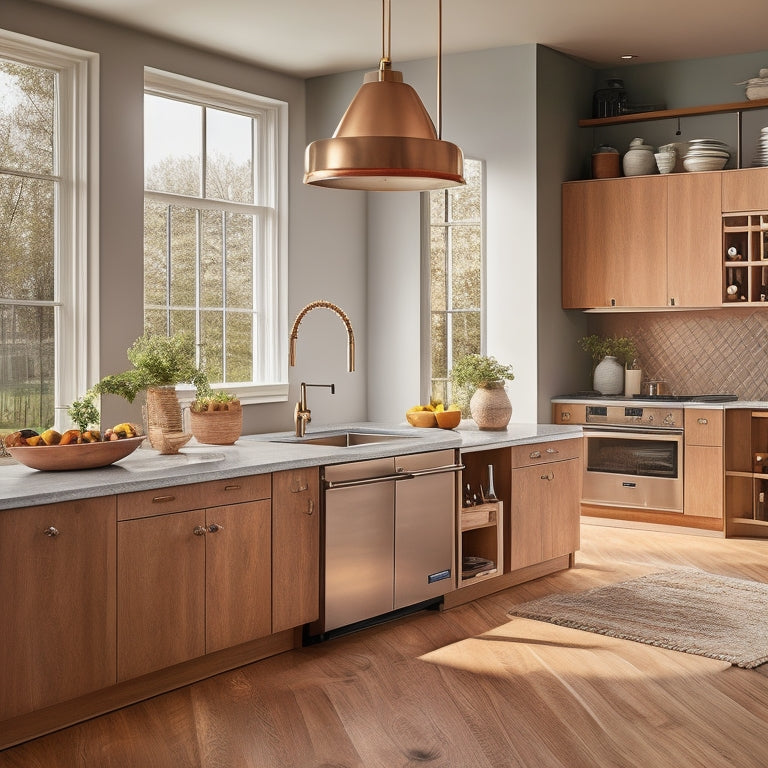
x=618, y=430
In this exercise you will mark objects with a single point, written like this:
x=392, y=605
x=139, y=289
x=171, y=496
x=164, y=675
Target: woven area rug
x=684, y=609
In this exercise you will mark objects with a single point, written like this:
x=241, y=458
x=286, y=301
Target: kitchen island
x=131, y=580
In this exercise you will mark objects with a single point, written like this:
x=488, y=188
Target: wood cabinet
x=694, y=264
x=704, y=478
x=745, y=190
x=544, y=514
x=744, y=257
x=746, y=472
x=295, y=547
x=614, y=243
x=192, y=582
x=644, y=241
x=57, y=580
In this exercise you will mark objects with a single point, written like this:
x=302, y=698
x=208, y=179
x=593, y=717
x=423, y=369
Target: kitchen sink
x=345, y=439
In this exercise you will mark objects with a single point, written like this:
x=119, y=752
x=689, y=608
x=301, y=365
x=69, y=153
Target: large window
x=213, y=233
x=455, y=277
x=47, y=356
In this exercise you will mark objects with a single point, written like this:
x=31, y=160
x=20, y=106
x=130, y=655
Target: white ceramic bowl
x=704, y=163
x=665, y=161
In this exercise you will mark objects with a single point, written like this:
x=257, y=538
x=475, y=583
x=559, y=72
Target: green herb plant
x=84, y=412
x=479, y=370
x=215, y=401
x=158, y=361
x=620, y=347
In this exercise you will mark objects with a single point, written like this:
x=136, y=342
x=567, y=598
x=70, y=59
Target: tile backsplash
x=711, y=351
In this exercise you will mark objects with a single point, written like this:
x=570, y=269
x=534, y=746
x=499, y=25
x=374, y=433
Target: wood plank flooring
x=466, y=688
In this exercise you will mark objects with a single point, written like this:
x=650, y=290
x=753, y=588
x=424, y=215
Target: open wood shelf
x=667, y=114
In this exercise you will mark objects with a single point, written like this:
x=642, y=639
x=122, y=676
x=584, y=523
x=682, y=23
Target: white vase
x=608, y=378
x=490, y=406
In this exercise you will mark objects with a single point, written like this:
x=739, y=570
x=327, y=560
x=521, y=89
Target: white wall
x=489, y=110
x=326, y=232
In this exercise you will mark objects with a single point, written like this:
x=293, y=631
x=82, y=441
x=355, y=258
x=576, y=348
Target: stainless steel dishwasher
x=389, y=535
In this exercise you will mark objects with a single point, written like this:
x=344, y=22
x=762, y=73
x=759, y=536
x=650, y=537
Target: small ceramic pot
x=639, y=159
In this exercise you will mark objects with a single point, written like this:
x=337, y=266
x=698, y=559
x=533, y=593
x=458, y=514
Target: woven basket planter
x=164, y=425
x=220, y=427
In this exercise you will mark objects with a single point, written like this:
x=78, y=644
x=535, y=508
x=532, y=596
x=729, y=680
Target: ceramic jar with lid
x=639, y=159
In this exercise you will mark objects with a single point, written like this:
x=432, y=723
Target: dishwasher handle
x=433, y=470
x=331, y=484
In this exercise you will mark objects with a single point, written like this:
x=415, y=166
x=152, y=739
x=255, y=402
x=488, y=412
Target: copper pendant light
x=386, y=140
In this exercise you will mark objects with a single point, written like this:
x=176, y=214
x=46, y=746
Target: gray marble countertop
x=146, y=469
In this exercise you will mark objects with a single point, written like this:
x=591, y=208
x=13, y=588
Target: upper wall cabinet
x=652, y=241
x=614, y=243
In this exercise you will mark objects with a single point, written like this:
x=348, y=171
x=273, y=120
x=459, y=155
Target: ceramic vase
x=608, y=378
x=639, y=160
x=490, y=406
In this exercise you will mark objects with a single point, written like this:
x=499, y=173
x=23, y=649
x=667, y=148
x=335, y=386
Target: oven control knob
x=650, y=418
x=669, y=420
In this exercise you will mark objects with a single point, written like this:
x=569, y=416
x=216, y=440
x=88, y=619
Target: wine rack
x=745, y=258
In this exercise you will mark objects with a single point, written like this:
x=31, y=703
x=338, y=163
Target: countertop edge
x=21, y=486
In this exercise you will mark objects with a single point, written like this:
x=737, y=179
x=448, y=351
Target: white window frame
x=426, y=278
x=76, y=237
x=271, y=333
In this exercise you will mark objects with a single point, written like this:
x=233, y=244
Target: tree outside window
x=456, y=276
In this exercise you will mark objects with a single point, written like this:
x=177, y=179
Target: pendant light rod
x=386, y=31
x=439, y=69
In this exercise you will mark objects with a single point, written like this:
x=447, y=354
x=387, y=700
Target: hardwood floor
x=466, y=688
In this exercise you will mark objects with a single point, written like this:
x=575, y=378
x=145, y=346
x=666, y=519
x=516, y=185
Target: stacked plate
x=761, y=153
x=706, y=155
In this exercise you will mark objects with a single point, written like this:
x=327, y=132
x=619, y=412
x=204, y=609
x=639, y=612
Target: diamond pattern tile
x=698, y=352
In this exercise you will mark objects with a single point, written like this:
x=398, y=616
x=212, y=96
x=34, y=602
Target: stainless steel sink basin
x=344, y=439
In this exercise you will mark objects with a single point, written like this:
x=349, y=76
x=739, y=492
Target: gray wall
x=326, y=241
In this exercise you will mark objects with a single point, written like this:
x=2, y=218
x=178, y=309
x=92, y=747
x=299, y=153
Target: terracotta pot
x=490, y=406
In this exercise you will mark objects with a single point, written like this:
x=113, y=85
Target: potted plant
x=482, y=378
x=610, y=355
x=159, y=363
x=216, y=418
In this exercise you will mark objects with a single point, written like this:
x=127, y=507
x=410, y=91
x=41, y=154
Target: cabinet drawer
x=179, y=498
x=569, y=413
x=703, y=427
x=552, y=450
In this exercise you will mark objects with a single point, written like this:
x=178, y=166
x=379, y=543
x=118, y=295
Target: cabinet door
x=295, y=548
x=703, y=481
x=614, y=247
x=160, y=592
x=745, y=190
x=694, y=259
x=562, y=521
x=544, y=518
x=57, y=582
x=237, y=574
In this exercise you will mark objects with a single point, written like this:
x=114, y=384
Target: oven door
x=635, y=468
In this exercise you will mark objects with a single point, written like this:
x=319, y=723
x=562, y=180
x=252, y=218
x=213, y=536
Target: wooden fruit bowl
x=75, y=455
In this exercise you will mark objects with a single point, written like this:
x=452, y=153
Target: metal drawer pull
x=232, y=487
x=565, y=415
x=199, y=530
x=552, y=450
x=534, y=455
x=160, y=499
x=215, y=527
x=548, y=476
x=299, y=487
x=310, y=507
x=702, y=421
x=51, y=531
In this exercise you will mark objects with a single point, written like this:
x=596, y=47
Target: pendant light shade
x=386, y=140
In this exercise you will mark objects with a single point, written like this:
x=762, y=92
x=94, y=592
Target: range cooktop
x=706, y=398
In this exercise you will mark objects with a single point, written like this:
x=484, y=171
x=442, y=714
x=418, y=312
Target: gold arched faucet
x=340, y=312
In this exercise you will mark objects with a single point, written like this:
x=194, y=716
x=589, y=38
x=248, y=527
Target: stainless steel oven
x=634, y=467
x=633, y=457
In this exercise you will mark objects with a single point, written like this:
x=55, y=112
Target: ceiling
x=316, y=37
